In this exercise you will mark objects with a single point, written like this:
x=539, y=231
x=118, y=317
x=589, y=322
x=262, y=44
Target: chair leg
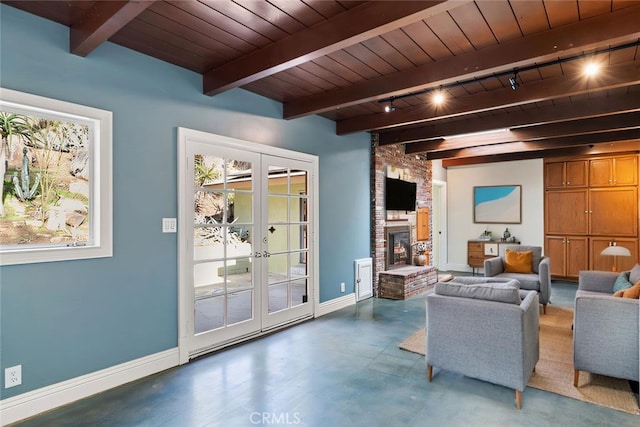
x=518, y=399
x=576, y=376
x=544, y=308
x=429, y=372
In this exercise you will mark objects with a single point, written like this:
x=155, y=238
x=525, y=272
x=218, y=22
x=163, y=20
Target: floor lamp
x=615, y=251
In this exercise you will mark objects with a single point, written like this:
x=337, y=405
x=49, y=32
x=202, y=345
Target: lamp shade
x=616, y=251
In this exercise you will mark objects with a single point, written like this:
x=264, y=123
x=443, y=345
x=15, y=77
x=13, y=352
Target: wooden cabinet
x=566, y=174
x=613, y=171
x=604, y=262
x=568, y=255
x=613, y=211
x=422, y=224
x=566, y=212
x=582, y=214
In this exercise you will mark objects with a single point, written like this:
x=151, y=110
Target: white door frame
x=441, y=228
x=185, y=329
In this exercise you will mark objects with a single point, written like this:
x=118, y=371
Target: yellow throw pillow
x=517, y=262
x=632, y=292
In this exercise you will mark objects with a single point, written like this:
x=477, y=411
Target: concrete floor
x=343, y=369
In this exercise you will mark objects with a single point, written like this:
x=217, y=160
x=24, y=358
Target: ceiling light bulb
x=513, y=82
x=591, y=69
x=389, y=108
x=438, y=98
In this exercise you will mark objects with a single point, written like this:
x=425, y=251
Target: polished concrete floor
x=343, y=369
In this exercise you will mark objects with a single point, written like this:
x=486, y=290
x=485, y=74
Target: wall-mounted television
x=400, y=195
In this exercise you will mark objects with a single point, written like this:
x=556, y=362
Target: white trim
x=101, y=199
x=44, y=399
x=335, y=304
x=443, y=250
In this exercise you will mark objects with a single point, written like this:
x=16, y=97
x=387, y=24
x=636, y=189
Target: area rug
x=554, y=370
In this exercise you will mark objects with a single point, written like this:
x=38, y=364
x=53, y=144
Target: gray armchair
x=605, y=329
x=490, y=340
x=539, y=280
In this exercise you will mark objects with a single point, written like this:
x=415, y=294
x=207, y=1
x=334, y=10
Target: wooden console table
x=479, y=250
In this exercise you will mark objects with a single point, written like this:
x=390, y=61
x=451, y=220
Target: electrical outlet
x=13, y=376
x=342, y=288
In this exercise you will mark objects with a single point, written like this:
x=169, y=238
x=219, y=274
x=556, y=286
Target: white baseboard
x=44, y=399
x=462, y=267
x=335, y=304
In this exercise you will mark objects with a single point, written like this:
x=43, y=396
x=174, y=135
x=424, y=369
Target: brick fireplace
x=398, y=246
x=418, y=170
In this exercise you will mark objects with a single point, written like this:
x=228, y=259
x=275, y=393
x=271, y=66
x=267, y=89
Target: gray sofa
x=473, y=335
x=605, y=329
x=539, y=280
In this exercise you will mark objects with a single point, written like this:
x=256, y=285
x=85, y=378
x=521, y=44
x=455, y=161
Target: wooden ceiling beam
x=101, y=21
x=525, y=146
x=601, y=31
x=604, y=148
x=626, y=74
x=532, y=133
x=348, y=28
x=552, y=114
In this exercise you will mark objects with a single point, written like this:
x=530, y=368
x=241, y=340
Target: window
x=55, y=165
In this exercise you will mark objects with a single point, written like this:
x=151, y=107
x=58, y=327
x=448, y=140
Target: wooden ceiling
x=346, y=61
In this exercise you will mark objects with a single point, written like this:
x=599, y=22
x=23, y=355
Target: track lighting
x=513, y=81
x=389, y=108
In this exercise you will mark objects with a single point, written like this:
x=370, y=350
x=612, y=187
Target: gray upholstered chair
x=605, y=329
x=487, y=331
x=540, y=278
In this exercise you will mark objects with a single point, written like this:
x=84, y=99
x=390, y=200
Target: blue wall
x=65, y=319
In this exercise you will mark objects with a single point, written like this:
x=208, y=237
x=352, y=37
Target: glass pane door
x=225, y=294
x=287, y=240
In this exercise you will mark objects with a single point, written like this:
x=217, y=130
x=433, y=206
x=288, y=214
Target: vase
x=420, y=259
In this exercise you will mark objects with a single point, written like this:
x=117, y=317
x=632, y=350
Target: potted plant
x=419, y=257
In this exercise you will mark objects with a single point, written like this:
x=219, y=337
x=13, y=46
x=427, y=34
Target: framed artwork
x=497, y=204
x=55, y=171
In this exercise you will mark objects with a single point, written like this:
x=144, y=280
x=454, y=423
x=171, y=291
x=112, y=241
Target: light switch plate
x=169, y=225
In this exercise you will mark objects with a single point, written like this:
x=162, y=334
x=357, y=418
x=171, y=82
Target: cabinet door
x=475, y=254
x=600, y=172
x=554, y=175
x=555, y=249
x=625, y=170
x=576, y=255
x=576, y=173
x=422, y=224
x=566, y=212
x=608, y=263
x=613, y=211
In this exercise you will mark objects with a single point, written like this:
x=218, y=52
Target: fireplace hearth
x=398, y=246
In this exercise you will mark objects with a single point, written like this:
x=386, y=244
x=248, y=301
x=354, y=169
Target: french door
x=246, y=261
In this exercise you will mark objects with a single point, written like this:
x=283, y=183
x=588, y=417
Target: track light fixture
x=390, y=108
x=513, y=81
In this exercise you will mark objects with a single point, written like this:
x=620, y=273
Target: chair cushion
x=622, y=282
x=506, y=292
x=518, y=261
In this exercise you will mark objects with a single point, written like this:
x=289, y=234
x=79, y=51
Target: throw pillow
x=633, y=292
x=634, y=274
x=517, y=262
x=622, y=282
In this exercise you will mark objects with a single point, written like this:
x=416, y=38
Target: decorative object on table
x=615, y=251
x=506, y=235
x=486, y=235
x=501, y=204
x=419, y=257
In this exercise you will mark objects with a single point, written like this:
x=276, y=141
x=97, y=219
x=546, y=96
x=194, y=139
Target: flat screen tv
x=400, y=195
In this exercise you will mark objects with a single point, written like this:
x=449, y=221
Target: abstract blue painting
x=498, y=204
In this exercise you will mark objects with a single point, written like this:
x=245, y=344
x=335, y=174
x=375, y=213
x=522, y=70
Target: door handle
x=266, y=254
